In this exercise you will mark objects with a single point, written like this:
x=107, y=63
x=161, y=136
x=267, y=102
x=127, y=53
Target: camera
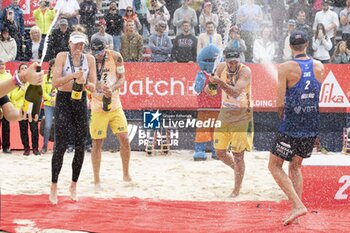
x=46, y=3
x=10, y=12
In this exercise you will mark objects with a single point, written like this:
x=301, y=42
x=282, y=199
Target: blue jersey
x=301, y=111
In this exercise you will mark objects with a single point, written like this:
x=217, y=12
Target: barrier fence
x=169, y=86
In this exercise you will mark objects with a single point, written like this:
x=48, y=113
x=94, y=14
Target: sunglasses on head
x=232, y=55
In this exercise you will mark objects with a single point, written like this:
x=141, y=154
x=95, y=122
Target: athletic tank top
x=68, y=70
x=235, y=109
x=301, y=116
x=109, y=75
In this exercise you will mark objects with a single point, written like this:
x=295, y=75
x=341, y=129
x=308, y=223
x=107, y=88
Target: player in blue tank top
x=299, y=85
x=301, y=112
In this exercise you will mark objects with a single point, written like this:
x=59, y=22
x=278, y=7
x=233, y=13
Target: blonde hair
x=79, y=28
x=33, y=29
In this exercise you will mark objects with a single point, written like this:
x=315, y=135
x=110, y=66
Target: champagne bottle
x=213, y=88
x=106, y=103
x=32, y=98
x=77, y=91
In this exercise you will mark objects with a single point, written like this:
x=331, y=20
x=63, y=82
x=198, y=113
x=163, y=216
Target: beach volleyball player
x=299, y=85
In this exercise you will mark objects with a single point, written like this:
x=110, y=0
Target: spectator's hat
x=232, y=54
x=326, y=2
x=101, y=22
x=78, y=37
x=63, y=21
x=97, y=45
x=292, y=22
x=207, y=4
x=297, y=38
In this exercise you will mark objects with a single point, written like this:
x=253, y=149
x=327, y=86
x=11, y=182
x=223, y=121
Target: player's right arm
x=281, y=88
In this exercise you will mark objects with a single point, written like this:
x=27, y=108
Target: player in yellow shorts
x=236, y=117
x=106, y=108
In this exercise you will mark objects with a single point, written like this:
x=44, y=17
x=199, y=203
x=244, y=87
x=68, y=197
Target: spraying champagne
x=32, y=99
x=34, y=93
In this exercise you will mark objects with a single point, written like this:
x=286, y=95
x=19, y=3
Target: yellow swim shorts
x=100, y=120
x=239, y=136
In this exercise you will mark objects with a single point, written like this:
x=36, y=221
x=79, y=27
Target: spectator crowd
x=176, y=30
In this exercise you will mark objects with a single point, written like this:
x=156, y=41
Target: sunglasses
x=232, y=55
x=129, y=10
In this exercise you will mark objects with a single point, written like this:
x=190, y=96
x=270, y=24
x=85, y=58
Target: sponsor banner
x=179, y=139
x=27, y=6
x=169, y=86
x=332, y=95
x=333, y=186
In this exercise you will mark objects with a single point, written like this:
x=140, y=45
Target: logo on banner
x=151, y=119
x=331, y=93
x=132, y=131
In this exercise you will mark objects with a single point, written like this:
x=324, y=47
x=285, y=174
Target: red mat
x=140, y=215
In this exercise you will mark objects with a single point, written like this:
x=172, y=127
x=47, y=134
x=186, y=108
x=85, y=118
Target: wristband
x=120, y=69
x=16, y=80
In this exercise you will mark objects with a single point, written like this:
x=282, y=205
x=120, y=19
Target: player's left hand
x=107, y=91
x=215, y=79
x=90, y=87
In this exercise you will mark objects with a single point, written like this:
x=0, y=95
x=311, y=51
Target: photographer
x=44, y=16
x=321, y=44
x=157, y=13
x=115, y=24
x=88, y=11
x=14, y=31
x=18, y=16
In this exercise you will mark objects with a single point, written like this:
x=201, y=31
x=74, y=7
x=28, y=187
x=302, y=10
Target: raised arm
x=119, y=63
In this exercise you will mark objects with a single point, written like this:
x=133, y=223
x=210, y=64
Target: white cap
x=78, y=38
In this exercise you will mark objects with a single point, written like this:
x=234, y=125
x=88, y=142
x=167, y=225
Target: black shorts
x=287, y=147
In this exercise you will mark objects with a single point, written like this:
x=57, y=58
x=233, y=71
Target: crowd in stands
x=176, y=30
x=171, y=31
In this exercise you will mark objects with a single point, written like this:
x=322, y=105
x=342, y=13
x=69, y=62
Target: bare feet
x=73, y=191
x=53, y=194
x=234, y=193
x=296, y=213
x=127, y=178
x=296, y=221
x=98, y=187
